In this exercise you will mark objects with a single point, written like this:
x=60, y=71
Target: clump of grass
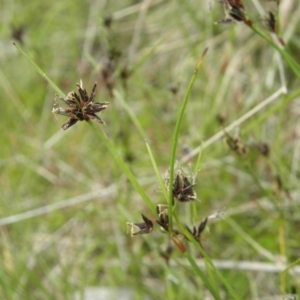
x=256, y=198
x=83, y=108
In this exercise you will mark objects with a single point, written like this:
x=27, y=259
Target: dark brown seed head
x=182, y=188
x=163, y=216
x=81, y=107
x=140, y=228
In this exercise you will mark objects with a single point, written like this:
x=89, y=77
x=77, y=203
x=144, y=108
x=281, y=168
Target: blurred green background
x=64, y=202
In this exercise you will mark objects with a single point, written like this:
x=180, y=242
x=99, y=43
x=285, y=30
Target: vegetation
x=196, y=152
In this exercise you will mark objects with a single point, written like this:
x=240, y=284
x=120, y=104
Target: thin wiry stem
x=287, y=57
x=123, y=166
x=261, y=250
x=176, y=135
x=281, y=71
x=40, y=71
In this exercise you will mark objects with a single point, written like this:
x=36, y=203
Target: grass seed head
x=163, y=216
x=271, y=24
x=236, y=145
x=140, y=228
x=81, y=107
x=182, y=188
x=262, y=148
x=107, y=21
x=197, y=230
x=234, y=12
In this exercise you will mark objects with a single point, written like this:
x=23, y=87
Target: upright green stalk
x=123, y=166
x=200, y=274
x=209, y=265
x=287, y=57
x=41, y=72
x=176, y=134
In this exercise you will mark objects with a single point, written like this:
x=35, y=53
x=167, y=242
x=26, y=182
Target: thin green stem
x=144, y=136
x=161, y=182
x=296, y=262
x=130, y=113
x=249, y=240
x=198, y=161
x=200, y=273
x=176, y=134
x=123, y=166
x=209, y=263
x=288, y=58
x=41, y=72
x=147, y=54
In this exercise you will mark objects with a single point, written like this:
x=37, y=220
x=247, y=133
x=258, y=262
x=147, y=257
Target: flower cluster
x=271, y=23
x=140, y=228
x=182, y=188
x=241, y=148
x=81, y=107
x=183, y=192
x=236, y=144
x=234, y=12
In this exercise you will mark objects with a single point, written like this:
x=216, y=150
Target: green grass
x=65, y=197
